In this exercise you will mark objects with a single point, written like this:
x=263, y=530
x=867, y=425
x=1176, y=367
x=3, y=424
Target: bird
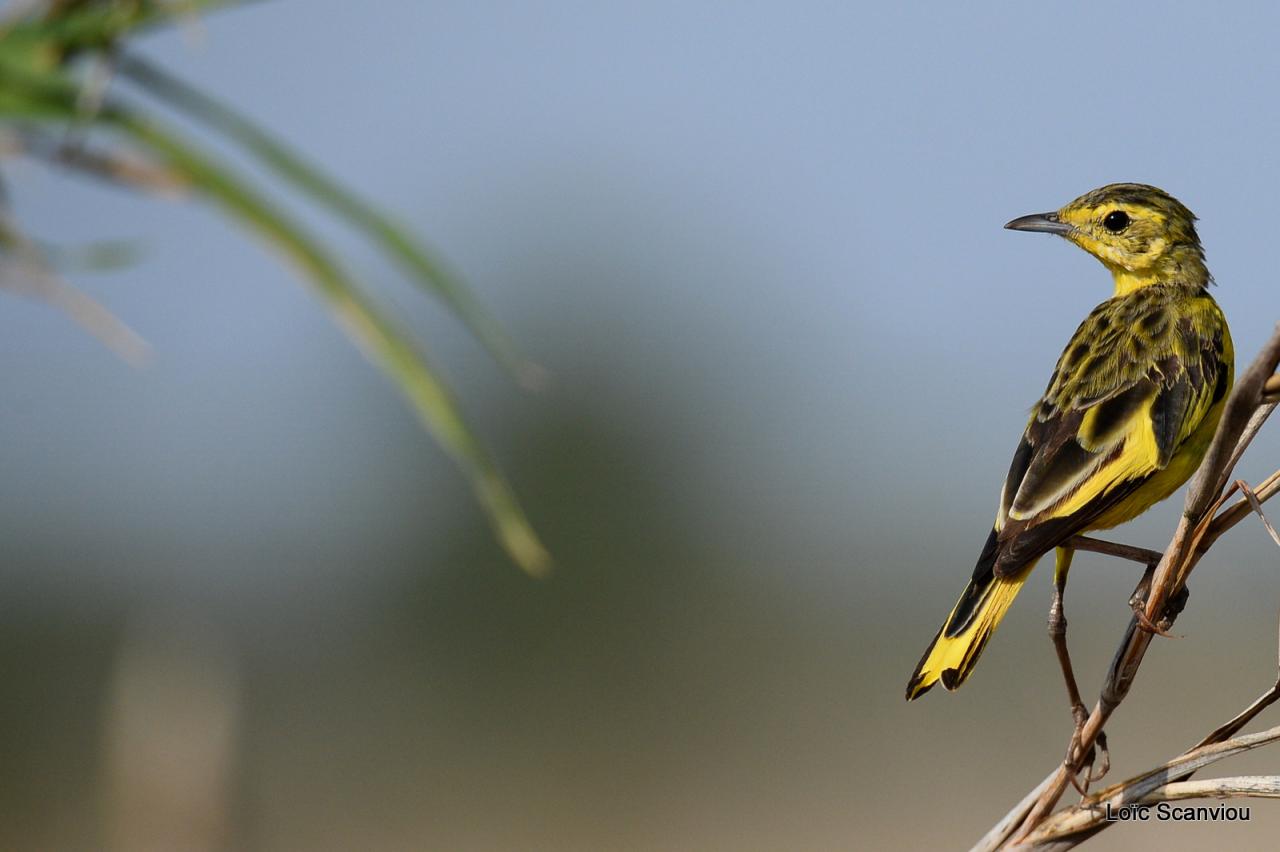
x=1127, y=416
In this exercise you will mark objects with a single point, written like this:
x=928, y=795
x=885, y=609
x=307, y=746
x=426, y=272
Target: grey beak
x=1044, y=223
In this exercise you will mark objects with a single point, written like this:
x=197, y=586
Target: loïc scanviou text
x=1168, y=812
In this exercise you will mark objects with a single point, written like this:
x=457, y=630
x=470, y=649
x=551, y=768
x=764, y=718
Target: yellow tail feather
x=950, y=659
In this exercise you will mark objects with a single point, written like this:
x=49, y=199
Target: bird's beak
x=1045, y=223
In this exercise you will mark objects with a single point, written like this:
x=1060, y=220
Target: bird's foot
x=1138, y=603
x=1078, y=763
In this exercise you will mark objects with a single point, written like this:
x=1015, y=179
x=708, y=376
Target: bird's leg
x=1150, y=558
x=1079, y=714
x=1122, y=551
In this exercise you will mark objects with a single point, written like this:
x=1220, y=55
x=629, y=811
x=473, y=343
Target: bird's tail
x=955, y=650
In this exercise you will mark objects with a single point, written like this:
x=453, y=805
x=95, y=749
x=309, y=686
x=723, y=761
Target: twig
x=1256, y=505
x=1001, y=831
x=1072, y=826
x=1242, y=417
x=1061, y=833
x=1263, y=786
x=1265, y=490
x=1091, y=813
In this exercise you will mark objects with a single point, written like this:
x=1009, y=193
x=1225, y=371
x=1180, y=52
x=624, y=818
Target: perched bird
x=1125, y=420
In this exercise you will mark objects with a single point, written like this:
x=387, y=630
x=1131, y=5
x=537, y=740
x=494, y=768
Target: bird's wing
x=1106, y=424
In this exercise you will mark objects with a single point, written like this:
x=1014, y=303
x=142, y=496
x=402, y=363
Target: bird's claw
x=1138, y=603
x=1077, y=762
x=1140, y=613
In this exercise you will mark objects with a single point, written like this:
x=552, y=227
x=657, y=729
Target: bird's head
x=1141, y=233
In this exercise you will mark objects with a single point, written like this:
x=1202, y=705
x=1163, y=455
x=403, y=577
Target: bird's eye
x=1116, y=221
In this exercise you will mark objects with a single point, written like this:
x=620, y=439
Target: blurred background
x=249, y=604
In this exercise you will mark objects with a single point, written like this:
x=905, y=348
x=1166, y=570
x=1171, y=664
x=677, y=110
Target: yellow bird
x=1126, y=419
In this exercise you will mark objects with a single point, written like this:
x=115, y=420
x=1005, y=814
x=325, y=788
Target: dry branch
x=1246, y=409
x=1090, y=813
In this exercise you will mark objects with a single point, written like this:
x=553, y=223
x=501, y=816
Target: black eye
x=1116, y=221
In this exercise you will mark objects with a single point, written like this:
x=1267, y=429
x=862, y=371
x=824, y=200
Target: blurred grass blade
x=26, y=269
x=33, y=92
x=426, y=271
x=376, y=334
x=68, y=27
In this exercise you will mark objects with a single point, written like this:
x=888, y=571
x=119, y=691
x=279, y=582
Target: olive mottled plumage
x=1125, y=420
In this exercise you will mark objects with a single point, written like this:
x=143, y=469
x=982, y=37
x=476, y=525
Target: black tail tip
x=914, y=690
x=950, y=679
